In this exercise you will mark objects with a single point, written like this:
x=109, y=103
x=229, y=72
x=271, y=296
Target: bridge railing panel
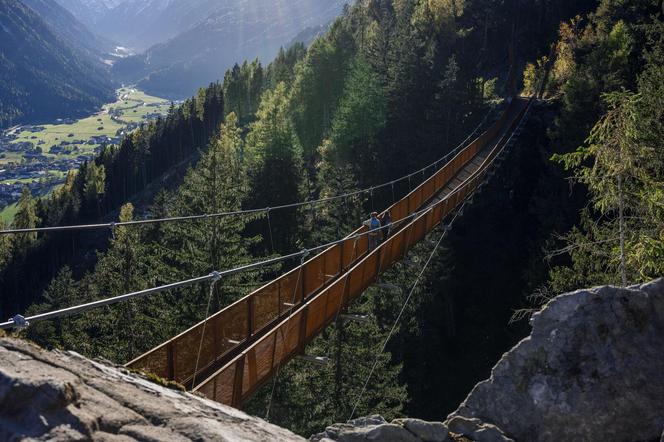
x=332, y=267
x=267, y=302
x=313, y=275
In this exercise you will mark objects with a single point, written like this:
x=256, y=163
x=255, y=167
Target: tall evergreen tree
x=25, y=218
x=275, y=166
x=62, y=292
x=216, y=184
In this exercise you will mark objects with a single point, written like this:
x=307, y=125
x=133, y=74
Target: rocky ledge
x=62, y=396
x=592, y=369
x=376, y=428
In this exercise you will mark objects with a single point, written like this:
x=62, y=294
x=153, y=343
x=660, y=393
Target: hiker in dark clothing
x=386, y=224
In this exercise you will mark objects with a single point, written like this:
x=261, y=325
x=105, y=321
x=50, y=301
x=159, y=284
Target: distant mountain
x=139, y=24
x=89, y=12
x=41, y=75
x=64, y=24
x=237, y=30
x=130, y=22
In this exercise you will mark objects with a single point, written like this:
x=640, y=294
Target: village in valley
x=40, y=156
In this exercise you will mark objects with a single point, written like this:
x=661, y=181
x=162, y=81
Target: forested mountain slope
x=89, y=12
x=392, y=86
x=41, y=76
x=232, y=32
x=69, y=29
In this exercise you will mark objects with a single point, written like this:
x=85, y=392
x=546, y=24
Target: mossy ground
x=172, y=385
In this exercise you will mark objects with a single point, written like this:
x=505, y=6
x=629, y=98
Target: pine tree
x=361, y=115
x=123, y=269
x=95, y=185
x=25, y=218
x=5, y=248
x=215, y=185
x=62, y=292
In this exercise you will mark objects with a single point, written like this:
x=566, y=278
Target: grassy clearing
x=10, y=157
x=7, y=214
x=131, y=106
x=81, y=130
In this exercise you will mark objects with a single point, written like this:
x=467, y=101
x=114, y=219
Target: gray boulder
x=426, y=431
x=591, y=370
x=375, y=428
x=476, y=430
x=62, y=396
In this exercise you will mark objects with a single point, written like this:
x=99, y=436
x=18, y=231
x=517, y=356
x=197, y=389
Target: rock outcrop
x=458, y=429
x=62, y=396
x=592, y=369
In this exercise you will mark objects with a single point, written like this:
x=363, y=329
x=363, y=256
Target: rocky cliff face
x=61, y=396
x=592, y=369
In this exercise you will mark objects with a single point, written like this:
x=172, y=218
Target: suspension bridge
x=235, y=351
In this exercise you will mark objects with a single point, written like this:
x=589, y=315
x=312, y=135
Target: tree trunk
x=337, y=363
x=621, y=221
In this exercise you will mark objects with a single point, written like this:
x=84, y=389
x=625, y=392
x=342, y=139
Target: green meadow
x=131, y=106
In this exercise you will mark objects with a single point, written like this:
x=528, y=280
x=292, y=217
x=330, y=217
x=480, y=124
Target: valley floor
x=39, y=156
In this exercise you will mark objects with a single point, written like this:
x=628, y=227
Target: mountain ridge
x=178, y=66
x=65, y=24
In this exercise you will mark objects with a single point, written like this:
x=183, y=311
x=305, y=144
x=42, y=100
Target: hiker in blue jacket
x=374, y=231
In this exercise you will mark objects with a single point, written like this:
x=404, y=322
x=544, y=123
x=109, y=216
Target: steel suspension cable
x=207, y=315
x=290, y=315
x=20, y=321
x=426, y=264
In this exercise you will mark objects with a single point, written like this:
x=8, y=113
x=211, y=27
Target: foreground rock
x=591, y=370
x=376, y=428
x=60, y=396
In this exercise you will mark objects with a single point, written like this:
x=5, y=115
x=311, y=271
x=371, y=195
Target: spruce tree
x=215, y=185
x=62, y=292
x=274, y=160
x=25, y=218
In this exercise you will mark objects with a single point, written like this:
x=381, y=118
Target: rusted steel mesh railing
x=276, y=320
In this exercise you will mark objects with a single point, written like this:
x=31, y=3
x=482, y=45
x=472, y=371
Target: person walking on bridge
x=374, y=230
x=386, y=224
